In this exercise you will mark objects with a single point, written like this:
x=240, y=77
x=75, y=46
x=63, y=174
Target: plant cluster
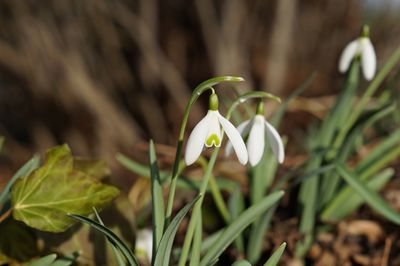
x=63, y=190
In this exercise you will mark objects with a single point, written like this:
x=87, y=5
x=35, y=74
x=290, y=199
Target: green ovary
x=213, y=139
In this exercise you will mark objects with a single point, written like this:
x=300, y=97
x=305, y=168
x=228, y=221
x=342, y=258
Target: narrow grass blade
x=378, y=152
x=331, y=180
x=261, y=179
x=237, y=226
x=363, y=173
x=157, y=200
x=29, y=166
x=44, y=261
x=341, y=206
x=262, y=175
x=308, y=197
x=241, y=263
x=370, y=197
x=138, y=168
x=164, y=250
x=113, y=237
x=67, y=260
x=117, y=254
x=257, y=233
x=236, y=206
x=209, y=241
x=196, y=248
x=183, y=182
x=276, y=256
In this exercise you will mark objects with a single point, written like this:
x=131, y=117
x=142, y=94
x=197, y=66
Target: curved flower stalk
x=144, y=244
x=208, y=133
x=363, y=48
x=255, y=129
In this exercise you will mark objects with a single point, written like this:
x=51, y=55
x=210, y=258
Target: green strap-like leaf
x=66, y=260
x=370, y=197
x=44, y=261
x=115, y=240
x=276, y=256
x=138, y=168
x=241, y=263
x=236, y=206
x=165, y=247
x=347, y=201
x=116, y=251
x=156, y=199
x=237, y=226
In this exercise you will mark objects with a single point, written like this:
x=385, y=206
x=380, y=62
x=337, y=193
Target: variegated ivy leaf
x=43, y=199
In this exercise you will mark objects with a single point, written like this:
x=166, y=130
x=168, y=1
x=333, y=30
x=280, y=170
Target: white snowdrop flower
x=208, y=133
x=255, y=129
x=363, y=48
x=144, y=243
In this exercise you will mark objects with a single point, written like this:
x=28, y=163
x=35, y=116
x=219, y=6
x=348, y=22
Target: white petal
x=235, y=138
x=255, y=142
x=196, y=139
x=275, y=142
x=347, y=55
x=213, y=137
x=368, y=59
x=243, y=129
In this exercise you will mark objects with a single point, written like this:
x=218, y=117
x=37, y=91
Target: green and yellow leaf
x=43, y=199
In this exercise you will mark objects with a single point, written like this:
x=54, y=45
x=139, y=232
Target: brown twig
x=5, y=215
x=386, y=251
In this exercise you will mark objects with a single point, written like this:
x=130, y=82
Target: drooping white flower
x=208, y=133
x=255, y=129
x=144, y=243
x=363, y=48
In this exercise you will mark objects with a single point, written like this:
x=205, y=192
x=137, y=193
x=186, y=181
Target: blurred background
x=104, y=76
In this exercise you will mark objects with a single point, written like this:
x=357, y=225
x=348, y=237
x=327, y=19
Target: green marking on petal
x=213, y=139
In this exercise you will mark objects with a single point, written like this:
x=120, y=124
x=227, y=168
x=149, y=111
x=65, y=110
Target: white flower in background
x=256, y=129
x=144, y=243
x=208, y=132
x=363, y=48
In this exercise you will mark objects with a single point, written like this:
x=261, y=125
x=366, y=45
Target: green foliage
x=43, y=198
x=157, y=199
x=241, y=263
x=370, y=197
x=44, y=261
x=117, y=254
x=237, y=226
x=347, y=201
x=276, y=256
x=23, y=171
x=96, y=168
x=113, y=238
x=164, y=251
x=52, y=260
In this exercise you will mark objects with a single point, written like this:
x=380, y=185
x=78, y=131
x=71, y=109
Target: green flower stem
x=219, y=200
x=195, y=95
x=390, y=64
x=216, y=193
